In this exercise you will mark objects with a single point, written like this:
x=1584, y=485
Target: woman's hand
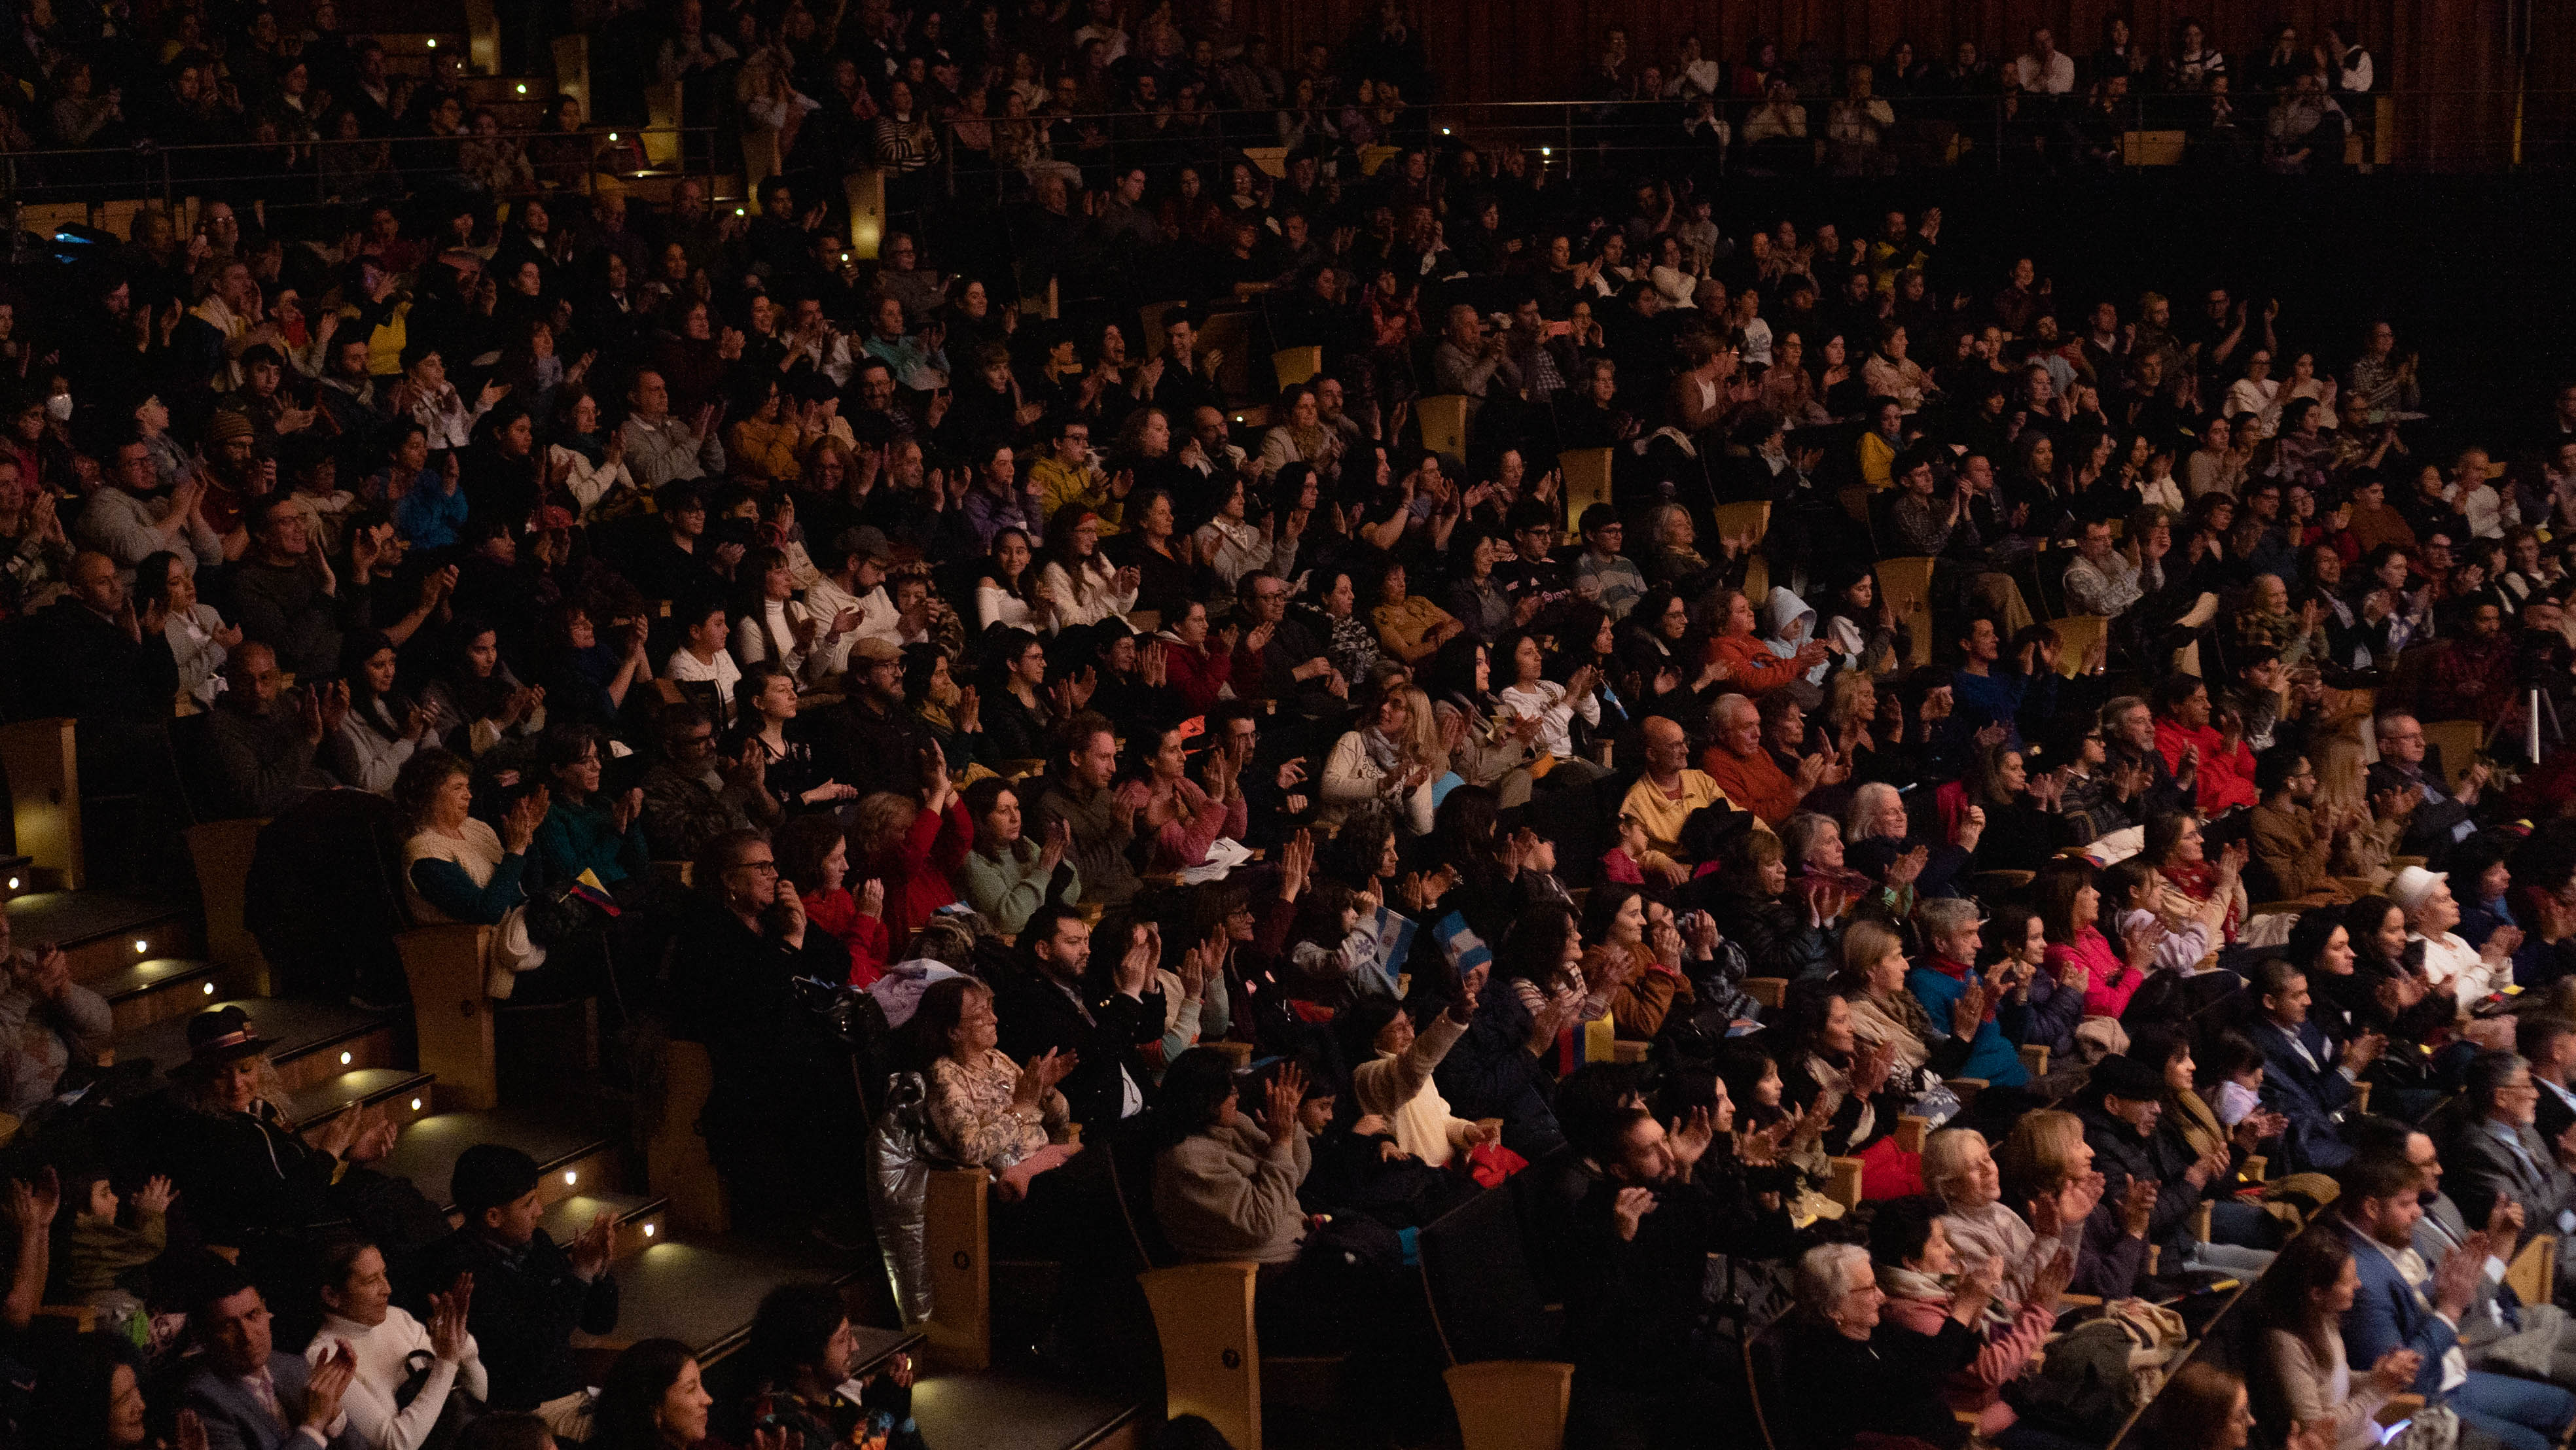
x=1976, y=1289
x=447, y=1318
x=519, y=827
x=1039, y=1075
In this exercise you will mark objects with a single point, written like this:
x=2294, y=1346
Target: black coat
x=1109, y=1029
x=527, y=1303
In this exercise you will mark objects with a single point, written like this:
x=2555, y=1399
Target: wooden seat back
x=222, y=852
x=676, y=1161
x=1511, y=1404
x=1443, y=417
x=1587, y=482
x=1211, y=1355
x=451, y=1011
x=956, y=1239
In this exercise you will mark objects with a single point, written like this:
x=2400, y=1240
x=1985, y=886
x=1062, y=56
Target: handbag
x=514, y=950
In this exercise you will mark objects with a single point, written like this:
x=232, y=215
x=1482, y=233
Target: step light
x=523, y=88
x=433, y=42
x=648, y=1230
x=210, y=989
x=415, y=1105
x=571, y=1177
x=344, y=1059
x=141, y=946
x=13, y=883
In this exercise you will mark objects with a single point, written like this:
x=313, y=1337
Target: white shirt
x=384, y=1353
x=686, y=667
x=2054, y=76
x=877, y=619
x=2453, y=963
x=1547, y=701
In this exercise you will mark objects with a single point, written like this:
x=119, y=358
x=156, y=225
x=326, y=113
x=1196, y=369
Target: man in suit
x=249, y=1396
x=1045, y=1003
x=2404, y=1303
x=2304, y=1079
x=2497, y=1157
x=2495, y=1312
x=2408, y=763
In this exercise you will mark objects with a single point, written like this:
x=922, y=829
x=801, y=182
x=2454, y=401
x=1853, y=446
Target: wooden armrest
x=1968, y=1418
x=2078, y=1301
x=2399, y=1407
x=2034, y=1058
x=2256, y=1165
x=2400, y=863
x=2155, y=1258
x=1843, y=1184
x=2200, y=1221
x=1628, y=1052
x=2361, y=1097
x=1910, y=1129
x=2278, y=908
x=1768, y=991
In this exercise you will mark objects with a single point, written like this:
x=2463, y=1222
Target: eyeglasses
x=757, y=868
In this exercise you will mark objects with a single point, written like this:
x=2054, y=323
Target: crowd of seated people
x=1930, y=898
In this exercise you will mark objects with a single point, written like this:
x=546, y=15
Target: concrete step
x=703, y=1290
x=1001, y=1410
x=104, y=931
x=638, y=1221
x=157, y=989
x=579, y=1148
x=312, y=1041
x=403, y=1092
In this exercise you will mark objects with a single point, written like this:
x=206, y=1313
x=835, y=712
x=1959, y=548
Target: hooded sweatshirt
x=1789, y=623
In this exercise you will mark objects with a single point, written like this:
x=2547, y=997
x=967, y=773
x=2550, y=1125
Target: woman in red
x=2078, y=954
x=1752, y=669
x=1179, y=819
x=1192, y=667
x=814, y=858
x=2173, y=847
x=915, y=849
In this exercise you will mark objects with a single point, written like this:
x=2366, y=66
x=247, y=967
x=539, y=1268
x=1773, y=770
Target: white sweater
x=384, y=1354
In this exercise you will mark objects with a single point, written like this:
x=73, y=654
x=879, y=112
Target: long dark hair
x=2312, y=1261
x=942, y=1003
x=69, y=1410
x=355, y=651
x=636, y=1383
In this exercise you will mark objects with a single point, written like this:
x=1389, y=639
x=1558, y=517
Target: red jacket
x=1757, y=671
x=920, y=871
x=2225, y=780
x=837, y=912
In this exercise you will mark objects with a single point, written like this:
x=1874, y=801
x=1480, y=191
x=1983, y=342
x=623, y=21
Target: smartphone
x=1558, y=329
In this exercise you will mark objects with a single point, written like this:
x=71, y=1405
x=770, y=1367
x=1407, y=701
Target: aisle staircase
x=678, y=1277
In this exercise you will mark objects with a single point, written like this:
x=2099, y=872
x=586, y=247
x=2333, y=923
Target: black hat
x=2123, y=1076
x=220, y=1034
x=490, y=1175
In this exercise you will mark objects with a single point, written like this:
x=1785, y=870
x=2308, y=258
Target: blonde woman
x=1961, y=1171
x=1383, y=760
x=2047, y=1165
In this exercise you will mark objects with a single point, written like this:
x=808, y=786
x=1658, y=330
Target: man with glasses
x=2407, y=784
x=2496, y=1156
x=879, y=745
x=1278, y=658
x=695, y=795
x=784, y=1112
x=1604, y=575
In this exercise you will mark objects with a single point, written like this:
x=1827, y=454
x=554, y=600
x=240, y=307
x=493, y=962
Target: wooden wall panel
x=2447, y=60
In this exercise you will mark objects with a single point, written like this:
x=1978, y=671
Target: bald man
x=107, y=667
x=1664, y=797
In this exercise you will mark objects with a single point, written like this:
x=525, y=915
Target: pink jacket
x=1979, y=1387
x=1183, y=840
x=2112, y=984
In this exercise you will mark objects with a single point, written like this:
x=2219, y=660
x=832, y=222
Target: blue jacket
x=2388, y=1313
x=2308, y=1096
x=1990, y=1056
